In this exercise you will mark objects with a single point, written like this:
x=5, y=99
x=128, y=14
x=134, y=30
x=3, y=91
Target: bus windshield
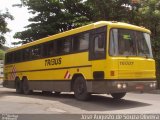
x=124, y=42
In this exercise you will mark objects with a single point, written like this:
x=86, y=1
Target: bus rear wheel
x=18, y=86
x=80, y=89
x=118, y=95
x=26, y=89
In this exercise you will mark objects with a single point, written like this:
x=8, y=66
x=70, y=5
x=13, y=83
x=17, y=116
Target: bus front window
x=144, y=45
x=125, y=42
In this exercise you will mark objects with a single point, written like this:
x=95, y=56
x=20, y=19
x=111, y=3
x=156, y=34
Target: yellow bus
x=102, y=57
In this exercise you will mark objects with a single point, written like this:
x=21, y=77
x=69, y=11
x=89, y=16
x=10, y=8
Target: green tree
x=51, y=16
x=54, y=16
x=149, y=17
x=1, y=55
x=111, y=10
x=3, y=25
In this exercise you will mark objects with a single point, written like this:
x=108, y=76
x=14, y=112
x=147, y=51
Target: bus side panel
x=53, y=73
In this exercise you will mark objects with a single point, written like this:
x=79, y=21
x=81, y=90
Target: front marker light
x=154, y=84
x=119, y=86
x=151, y=85
x=124, y=86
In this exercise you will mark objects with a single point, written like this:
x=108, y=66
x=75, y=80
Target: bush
x=1, y=55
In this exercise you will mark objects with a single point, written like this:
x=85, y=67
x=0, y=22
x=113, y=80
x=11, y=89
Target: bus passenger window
x=36, y=52
x=17, y=56
x=66, y=45
x=9, y=58
x=26, y=54
x=80, y=42
x=63, y=46
x=48, y=49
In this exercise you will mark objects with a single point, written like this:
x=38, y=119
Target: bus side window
x=66, y=45
x=45, y=50
x=17, y=56
x=9, y=58
x=48, y=49
x=59, y=47
x=80, y=42
x=63, y=46
x=36, y=52
x=26, y=54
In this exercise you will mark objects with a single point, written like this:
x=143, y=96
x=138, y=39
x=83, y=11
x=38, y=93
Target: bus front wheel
x=18, y=86
x=118, y=95
x=80, y=89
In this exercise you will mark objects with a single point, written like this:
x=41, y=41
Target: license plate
x=139, y=87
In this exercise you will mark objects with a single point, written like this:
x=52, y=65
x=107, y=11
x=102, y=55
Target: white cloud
x=20, y=15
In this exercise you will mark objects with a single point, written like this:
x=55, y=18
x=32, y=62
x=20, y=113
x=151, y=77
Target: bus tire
x=118, y=95
x=80, y=89
x=26, y=89
x=18, y=86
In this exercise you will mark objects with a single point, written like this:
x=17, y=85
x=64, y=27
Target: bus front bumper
x=115, y=86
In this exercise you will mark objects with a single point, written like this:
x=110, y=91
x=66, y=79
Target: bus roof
x=112, y=24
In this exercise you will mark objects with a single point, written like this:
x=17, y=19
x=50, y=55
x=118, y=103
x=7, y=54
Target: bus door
x=97, y=53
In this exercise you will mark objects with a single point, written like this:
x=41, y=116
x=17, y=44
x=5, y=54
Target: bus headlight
x=119, y=86
x=152, y=85
x=124, y=86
